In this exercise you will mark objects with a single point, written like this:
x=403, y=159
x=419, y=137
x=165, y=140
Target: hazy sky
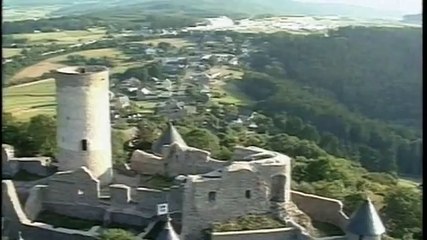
x=405, y=6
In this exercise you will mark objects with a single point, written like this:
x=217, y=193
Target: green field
x=31, y=12
x=37, y=70
x=177, y=42
x=10, y=52
x=63, y=37
x=28, y=100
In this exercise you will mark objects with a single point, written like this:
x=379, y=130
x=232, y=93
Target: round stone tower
x=83, y=120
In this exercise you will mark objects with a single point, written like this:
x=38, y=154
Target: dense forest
x=358, y=89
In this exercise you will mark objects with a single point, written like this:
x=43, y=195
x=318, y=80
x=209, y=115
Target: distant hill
x=413, y=18
x=249, y=7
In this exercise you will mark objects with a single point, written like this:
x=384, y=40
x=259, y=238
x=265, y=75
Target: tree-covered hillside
x=359, y=88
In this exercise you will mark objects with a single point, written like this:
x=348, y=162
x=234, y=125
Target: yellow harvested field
x=37, y=70
x=10, y=52
x=63, y=37
x=177, y=42
x=28, y=100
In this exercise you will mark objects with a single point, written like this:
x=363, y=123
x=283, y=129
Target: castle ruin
x=205, y=190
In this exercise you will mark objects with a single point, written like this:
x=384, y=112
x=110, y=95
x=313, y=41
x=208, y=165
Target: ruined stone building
x=205, y=191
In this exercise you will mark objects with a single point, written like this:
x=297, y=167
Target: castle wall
x=145, y=163
x=321, y=209
x=231, y=201
x=79, y=186
x=183, y=160
x=147, y=199
x=34, y=203
x=120, y=195
x=264, y=234
x=17, y=221
x=83, y=211
x=83, y=120
x=37, y=166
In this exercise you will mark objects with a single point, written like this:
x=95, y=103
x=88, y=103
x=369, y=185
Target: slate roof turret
x=365, y=221
x=168, y=137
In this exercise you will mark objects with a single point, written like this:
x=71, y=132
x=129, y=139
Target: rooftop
x=81, y=70
x=365, y=221
x=169, y=136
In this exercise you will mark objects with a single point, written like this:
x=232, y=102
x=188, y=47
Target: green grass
x=156, y=182
x=63, y=37
x=233, y=95
x=38, y=69
x=248, y=222
x=177, y=42
x=26, y=101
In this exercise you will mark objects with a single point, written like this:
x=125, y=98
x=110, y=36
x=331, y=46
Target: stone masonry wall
x=77, y=186
x=230, y=200
x=147, y=199
x=183, y=160
x=34, y=203
x=17, y=221
x=120, y=195
x=265, y=234
x=145, y=163
x=321, y=209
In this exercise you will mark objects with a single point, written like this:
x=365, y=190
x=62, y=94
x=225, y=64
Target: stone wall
x=216, y=200
x=146, y=163
x=78, y=186
x=34, y=203
x=17, y=221
x=264, y=234
x=321, y=209
x=120, y=195
x=182, y=160
x=83, y=211
x=147, y=199
x=38, y=166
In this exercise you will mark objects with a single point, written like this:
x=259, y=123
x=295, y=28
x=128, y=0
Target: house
x=150, y=51
x=145, y=94
x=131, y=82
x=164, y=85
x=122, y=102
x=174, y=109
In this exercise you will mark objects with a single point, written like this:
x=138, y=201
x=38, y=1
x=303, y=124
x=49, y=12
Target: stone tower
x=83, y=120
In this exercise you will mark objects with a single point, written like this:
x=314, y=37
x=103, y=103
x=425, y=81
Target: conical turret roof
x=167, y=233
x=365, y=221
x=168, y=137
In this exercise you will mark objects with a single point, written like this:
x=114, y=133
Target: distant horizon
x=401, y=6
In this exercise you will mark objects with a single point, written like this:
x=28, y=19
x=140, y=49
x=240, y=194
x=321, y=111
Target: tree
x=165, y=46
x=403, y=212
x=117, y=234
x=42, y=131
x=202, y=139
x=118, y=140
